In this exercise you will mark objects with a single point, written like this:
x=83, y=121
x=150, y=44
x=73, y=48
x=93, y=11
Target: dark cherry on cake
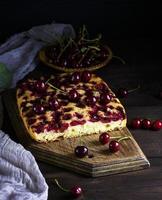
x=83, y=99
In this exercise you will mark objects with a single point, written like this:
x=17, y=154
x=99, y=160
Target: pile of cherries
x=138, y=123
x=78, y=52
x=104, y=138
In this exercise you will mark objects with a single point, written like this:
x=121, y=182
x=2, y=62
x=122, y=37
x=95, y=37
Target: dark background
x=116, y=19
x=131, y=28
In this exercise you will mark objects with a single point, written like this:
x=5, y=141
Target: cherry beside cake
x=68, y=105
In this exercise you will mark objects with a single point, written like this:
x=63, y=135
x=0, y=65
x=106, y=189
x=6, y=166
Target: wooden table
x=138, y=185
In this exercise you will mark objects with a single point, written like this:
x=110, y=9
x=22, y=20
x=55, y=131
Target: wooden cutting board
x=61, y=153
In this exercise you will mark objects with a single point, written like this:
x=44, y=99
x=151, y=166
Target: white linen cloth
x=19, y=52
x=20, y=177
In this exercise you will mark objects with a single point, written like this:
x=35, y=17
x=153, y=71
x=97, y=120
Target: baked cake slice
x=68, y=105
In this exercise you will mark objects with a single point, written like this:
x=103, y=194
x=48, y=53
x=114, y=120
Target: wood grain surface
x=61, y=153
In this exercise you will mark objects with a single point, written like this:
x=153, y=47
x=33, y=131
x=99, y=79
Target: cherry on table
x=122, y=92
x=146, y=123
x=81, y=151
x=136, y=123
x=156, y=125
x=76, y=191
x=114, y=146
x=104, y=138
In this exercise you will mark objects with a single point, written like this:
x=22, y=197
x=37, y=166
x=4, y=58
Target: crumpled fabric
x=19, y=52
x=20, y=177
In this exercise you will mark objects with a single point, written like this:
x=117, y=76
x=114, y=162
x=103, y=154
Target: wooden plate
x=42, y=57
x=61, y=153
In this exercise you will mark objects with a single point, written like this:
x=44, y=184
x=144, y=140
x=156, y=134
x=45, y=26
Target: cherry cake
x=68, y=105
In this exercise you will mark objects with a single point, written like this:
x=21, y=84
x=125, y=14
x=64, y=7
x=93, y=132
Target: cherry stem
x=52, y=86
x=93, y=40
x=132, y=90
x=83, y=56
x=117, y=57
x=124, y=138
x=116, y=137
x=63, y=189
x=66, y=46
x=93, y=47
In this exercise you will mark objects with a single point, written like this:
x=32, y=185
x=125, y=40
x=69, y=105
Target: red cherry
x=75, y=78
x=40, y=86
x=157, y=125
x=38, y=109
x=81, y=151
x=105, y=98
x=86, y=76
x=136, y=123
x=76, y=191
x=54, y=104
x=104, y=138
x=146, y=123
x=114, y=146
x=73, y=95
x=91, y=100
x=122, y=92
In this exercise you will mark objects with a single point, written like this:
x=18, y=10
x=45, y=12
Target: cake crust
x=60, y=107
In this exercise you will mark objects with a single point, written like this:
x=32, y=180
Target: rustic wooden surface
x=144, y=67
x=61, y=153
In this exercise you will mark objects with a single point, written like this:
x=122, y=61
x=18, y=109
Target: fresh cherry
x=122, y=92
x=54, y=104
x=104, y=138
x=157, y=125
x=73, y=95
x=114, y=146
x=76, y=77
x=86, y=76
x=76, y=191
x=146, y=123
x=105, y=98
x=38, y=109
x=136, y=123
x=40, y=86
x=81, y=151
x=91, y=100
